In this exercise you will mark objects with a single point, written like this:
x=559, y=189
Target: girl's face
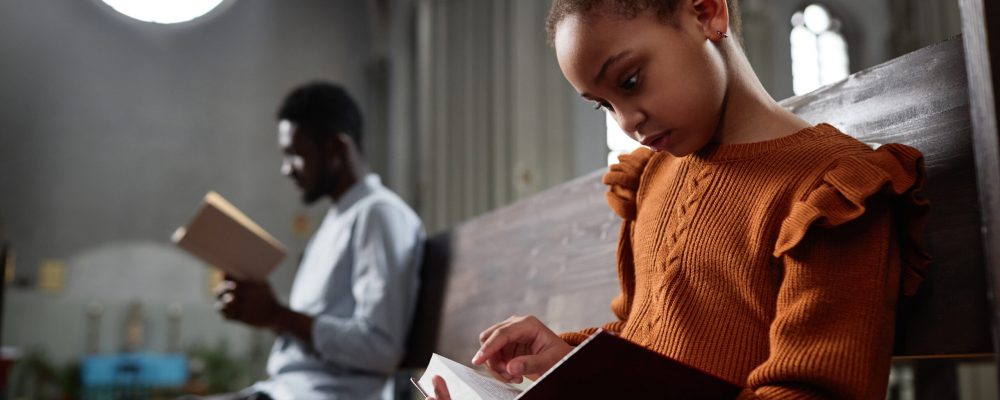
x=664, y=82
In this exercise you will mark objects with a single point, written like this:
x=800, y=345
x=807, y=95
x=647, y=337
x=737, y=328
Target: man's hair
x=326, y=108
x=627, y=9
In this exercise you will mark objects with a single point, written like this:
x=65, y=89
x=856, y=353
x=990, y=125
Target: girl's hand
x=519, y=347
x=440, y=389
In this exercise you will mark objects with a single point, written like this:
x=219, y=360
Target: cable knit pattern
x=770, y=264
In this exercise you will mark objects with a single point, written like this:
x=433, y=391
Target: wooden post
x=981, y=30
x=3, y=280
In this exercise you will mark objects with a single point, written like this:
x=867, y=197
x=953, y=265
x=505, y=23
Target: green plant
x=33, y=376
x=214, y=369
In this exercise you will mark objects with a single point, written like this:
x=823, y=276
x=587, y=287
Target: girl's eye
x=630, y=83
x=603, y=104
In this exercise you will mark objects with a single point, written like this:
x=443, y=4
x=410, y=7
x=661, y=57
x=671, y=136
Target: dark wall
x=111, y=129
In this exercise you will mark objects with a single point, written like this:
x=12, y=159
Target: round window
x=164, y=11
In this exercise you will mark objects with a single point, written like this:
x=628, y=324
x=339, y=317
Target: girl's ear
x=713, y=16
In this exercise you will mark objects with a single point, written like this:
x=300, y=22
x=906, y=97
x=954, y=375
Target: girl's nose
x=631, y=120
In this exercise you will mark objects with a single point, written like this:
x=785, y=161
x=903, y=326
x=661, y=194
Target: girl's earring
x=722, y=34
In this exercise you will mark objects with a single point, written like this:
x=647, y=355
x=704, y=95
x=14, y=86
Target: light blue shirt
x=358, y=279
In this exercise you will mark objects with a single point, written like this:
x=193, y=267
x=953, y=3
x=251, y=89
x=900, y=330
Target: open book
x=221, y=235
x=604, y=366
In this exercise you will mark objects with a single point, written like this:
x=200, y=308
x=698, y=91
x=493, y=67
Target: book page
x=464, y=382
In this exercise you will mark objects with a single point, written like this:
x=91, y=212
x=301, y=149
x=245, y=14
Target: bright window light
x=618, y=142
x=819, y=51
x=164, y=11
x=816, y=18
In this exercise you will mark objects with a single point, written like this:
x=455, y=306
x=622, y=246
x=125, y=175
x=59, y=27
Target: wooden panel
x=552, y=255
x=515, y=260
x=981, y=27
x=4, y=248
x=921, y=100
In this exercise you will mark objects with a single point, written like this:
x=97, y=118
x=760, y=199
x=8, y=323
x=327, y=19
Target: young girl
x=754, y=246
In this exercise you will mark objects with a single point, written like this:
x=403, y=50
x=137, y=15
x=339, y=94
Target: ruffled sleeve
x=623, y=182
x=894, y=170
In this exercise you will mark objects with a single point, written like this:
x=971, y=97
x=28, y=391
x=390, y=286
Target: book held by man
x=221, y=235
x=604, y=366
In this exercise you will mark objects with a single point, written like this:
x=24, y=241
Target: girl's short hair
x=627, y=9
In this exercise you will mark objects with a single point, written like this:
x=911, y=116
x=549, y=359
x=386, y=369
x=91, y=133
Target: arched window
x=819, y=51
x=164, y=11
x=618, y=142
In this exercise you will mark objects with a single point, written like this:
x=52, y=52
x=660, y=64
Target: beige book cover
x=221, y=235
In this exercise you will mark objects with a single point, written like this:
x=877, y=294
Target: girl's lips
x=658, y=143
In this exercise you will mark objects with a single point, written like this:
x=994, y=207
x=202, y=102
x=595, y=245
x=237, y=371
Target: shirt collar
x=359, y=190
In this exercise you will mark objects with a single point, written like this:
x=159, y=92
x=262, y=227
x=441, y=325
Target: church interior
x=117, y=117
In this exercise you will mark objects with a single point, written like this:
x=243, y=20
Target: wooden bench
x=553, y=255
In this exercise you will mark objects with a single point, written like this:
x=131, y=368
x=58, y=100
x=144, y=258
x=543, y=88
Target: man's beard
x=308, y=198
x=324, y=186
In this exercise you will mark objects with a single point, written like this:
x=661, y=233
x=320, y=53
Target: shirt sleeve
x=832, y=333
x=387, y=249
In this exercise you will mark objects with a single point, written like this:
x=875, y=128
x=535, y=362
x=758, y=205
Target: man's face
x=304, y=161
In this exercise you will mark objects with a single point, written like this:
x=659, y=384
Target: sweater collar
x=715, y=153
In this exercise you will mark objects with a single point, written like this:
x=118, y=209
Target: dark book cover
x=606, y=366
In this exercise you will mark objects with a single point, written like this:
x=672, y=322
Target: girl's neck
x=749, y=113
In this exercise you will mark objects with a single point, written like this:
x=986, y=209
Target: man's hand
x=519, y=347
x=251, y=303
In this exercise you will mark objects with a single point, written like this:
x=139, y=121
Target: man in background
x=344, y=329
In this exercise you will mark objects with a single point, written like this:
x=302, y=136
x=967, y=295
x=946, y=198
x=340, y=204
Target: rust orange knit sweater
x=775, y=265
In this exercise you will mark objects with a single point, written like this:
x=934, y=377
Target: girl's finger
x=440, y=388
x=501, y=338
x=489, y=331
